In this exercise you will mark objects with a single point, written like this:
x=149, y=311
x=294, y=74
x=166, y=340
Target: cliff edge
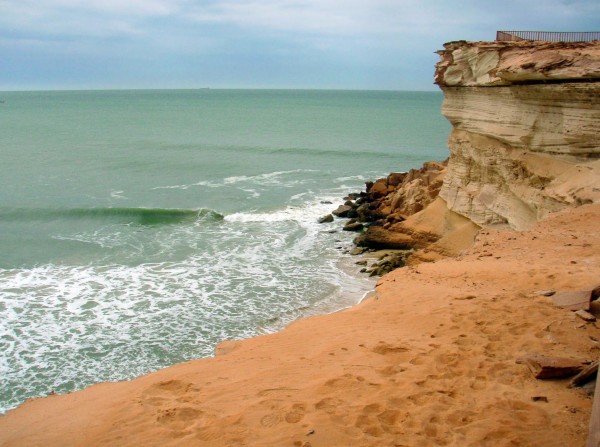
x=525, y=137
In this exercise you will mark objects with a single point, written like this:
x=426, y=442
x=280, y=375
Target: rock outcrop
x=403, y=211
x=526, y=128
x=525, y=142
x=389, y=201
x=400, y=195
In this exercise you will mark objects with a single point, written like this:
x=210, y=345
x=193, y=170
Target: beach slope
x=430, y=360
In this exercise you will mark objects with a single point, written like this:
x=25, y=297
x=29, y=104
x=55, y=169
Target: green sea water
x=139, y=228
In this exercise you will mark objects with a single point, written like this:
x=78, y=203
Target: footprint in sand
x=376, y=420
x=329, y=404
x=166, y=392
x=389, y=371
x=418, y=360
x=295, y=414
x=279, y=413
x=182, y=421
x=384, y=348
x=271, y=420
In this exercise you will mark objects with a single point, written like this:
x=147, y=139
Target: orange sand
x=430, y=361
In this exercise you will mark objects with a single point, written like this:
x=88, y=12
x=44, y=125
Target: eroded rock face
x=526, y=128
x=470, y=64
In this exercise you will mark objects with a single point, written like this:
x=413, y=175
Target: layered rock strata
x=525, y=142
x=526, y=128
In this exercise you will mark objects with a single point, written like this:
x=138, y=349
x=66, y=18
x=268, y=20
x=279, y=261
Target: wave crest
x=140, y=216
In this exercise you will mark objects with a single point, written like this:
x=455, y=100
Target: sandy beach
x=430, y=359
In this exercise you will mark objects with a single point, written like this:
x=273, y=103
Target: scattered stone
x=342, y=211
x=395, y=178
x=363, y=262
x=357, y=251
x=539, y=398
x=377, y=237
x=326, y=202
x=588, y=374
x=573, y=300
x=353, y=226
x=378, y=189
x=326, y=219
x=387, y=263
x=548, y=292
x=465, y=297
x=585, y=316
x=551, y=367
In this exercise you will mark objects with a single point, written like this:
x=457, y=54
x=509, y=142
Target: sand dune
x=429, y=361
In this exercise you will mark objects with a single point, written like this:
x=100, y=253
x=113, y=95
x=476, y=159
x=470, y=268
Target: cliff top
x=499, y=63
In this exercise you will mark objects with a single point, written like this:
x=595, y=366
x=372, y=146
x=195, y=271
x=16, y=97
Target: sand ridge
x=428, y=361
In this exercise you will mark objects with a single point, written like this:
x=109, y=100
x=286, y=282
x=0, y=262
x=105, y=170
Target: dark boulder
x=378, y=238
x=326, y=219
x=353, y=226
x=342, y=211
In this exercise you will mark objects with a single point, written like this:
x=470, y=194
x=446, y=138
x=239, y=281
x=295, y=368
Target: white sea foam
x=190, y=185
x=268, y=178
x=117, y=195
x=253, y=193
x=301, y=210
x=250, y=273
x=360, y=178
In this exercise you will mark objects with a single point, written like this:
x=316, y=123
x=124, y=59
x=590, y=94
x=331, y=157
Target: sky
x=328, y=44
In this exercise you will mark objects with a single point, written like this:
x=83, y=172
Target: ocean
x=138, y=228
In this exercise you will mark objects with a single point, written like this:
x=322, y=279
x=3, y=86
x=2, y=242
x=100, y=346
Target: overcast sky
x=346, y=44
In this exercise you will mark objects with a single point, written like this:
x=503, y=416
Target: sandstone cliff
x=525, y=142
x=526, y=128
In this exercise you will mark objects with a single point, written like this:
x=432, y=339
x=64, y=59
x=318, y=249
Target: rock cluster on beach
x=392, y=199
x=383, y=205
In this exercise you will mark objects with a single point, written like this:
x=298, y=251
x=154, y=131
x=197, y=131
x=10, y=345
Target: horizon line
x=213, y=88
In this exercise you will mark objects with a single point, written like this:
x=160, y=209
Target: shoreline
x=432, y=359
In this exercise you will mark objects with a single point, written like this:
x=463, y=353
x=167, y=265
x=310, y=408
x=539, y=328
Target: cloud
x=95, y=18
x=44, y=8
x=275, y=39
x=295, y=18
